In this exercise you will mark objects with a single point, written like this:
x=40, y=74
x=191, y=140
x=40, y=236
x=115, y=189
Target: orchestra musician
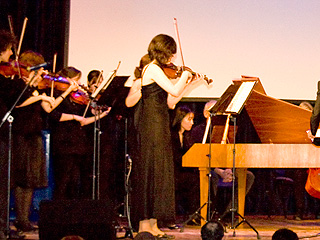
x=72, y=159
x=28, y=154
x=186, y=179
x=153, y=176
x=11, y=89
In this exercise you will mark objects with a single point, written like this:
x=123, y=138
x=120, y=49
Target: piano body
x=282, y=142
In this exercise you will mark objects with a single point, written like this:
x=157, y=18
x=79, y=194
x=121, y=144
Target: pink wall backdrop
x=275, y=40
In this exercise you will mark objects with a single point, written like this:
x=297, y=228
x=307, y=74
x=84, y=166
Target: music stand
x=231, y=104
x=114, y=96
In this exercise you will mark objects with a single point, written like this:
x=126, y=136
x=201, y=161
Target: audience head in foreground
x=212, y=231
x=144, y=236
x=284, y=234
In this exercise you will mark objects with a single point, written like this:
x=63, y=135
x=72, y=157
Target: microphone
x=36, y=67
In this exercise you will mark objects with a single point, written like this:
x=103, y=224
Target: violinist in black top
x=10, y=90
x=72, y=160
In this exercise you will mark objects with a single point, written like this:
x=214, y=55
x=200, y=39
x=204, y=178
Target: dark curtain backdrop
x=47, y=26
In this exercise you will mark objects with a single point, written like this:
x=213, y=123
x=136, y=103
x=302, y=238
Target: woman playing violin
x=72, y=160
x=153, y=176
x=134, y=94
x=28, y=158
x=10, y=89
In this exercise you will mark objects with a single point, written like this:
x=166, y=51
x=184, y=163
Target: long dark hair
x=143, y=62
x=161, y=48
x=180, y=113
x=6, y=39
x=69, y=72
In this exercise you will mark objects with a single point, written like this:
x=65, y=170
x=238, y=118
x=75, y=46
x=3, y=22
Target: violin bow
x=53, y=71
x=12, y=33
x=175, y=22
x=98, y=82
x=17, y=51
x=21, y=37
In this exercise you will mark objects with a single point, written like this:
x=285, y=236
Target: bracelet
x=73, y=116
x=62, y=97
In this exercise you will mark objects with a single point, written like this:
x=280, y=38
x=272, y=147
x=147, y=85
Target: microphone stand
x=96, y=155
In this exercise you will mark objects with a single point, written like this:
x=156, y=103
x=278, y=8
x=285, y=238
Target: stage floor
x=264, y=225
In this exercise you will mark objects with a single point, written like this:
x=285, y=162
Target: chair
x=284, y=189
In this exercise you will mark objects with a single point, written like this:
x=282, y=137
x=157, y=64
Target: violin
x=62, y=84
x=13, y=68
x=52, y=80
x=173, y=71
x=80, y=97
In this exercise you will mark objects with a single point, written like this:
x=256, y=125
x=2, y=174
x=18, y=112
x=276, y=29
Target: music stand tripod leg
x=191, y=217
x=233, y=210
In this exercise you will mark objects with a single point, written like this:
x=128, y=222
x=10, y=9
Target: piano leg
x=242, y=175
x=204, y=186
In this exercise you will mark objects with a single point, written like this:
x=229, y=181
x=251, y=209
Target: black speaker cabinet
x=90, y=219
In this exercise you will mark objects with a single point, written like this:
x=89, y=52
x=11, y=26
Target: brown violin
x=55, y=81
x=9, y=69
x=173, y=71
x=62, y=84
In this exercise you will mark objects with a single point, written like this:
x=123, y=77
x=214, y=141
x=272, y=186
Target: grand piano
x=282, y=142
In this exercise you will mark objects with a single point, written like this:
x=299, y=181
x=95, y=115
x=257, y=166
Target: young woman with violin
x=153, y=175
x=12, y=83
x=28, y=154
x=72, y=160
x=170, y=70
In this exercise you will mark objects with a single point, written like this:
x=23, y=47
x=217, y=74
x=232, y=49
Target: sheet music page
x=318, y=133
x=240, y=97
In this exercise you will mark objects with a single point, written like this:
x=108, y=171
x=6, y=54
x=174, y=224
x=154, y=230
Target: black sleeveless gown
x=153, y=168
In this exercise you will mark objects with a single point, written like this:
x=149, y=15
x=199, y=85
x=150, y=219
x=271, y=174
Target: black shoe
x=172, y=226
x=24, y=226
x=165, y=236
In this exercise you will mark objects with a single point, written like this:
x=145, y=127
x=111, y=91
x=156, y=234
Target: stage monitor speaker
x=89, y=219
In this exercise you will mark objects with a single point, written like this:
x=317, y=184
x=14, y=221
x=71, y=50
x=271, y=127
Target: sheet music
x=318, y=133
x=240, y=97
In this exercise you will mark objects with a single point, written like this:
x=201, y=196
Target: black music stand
x=231, y=104
x=114, y=96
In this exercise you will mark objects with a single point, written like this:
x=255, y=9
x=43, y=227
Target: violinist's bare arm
x=173, y=100
x=89, y=120
x=83, y=121
x=134, y=94
x=154, y=73
x=70, y=117
x=48, y=107
x=37, y=98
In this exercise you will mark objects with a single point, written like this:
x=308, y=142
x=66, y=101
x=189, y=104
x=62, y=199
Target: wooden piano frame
x=248, y=156
x=281, y=127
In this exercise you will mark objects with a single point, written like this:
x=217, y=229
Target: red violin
x=13, y=68
x=173, y=71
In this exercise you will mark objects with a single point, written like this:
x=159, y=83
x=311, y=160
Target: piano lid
x=276, y=121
